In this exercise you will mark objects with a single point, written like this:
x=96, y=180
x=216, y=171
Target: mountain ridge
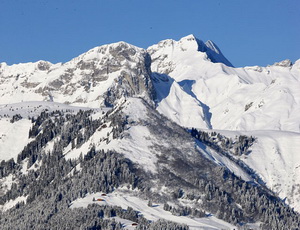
x=144, y=105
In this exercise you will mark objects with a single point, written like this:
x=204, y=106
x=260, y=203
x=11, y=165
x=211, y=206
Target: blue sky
x=256, y=32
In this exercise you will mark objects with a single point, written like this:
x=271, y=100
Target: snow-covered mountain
x=263, y=101
x=250, y=98
x=243, y=145
x=93, y=79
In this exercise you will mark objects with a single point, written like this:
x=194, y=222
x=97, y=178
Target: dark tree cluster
x=57, y=183
x=15, y=118
x=163, y=225
x=234, y=200
x=7, y=167
x=238, y=146
x=184, y=211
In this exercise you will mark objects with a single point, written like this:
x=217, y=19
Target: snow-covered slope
x=275, y=158
x=216, y=96
x=250, y=98
x=16, y=131
x=124, y=199
x=11, y=133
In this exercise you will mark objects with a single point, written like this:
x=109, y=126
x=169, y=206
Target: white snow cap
x=209, y=47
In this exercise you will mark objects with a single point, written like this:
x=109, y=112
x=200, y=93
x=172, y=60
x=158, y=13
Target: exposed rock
x=284, y=63
x=114, y=70
x=43, y=65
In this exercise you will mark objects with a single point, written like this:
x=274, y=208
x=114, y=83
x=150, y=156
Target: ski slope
x=154, y=213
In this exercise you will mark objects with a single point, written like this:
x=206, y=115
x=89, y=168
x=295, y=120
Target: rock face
x=97, y=77
x=284, y=63
x=134, y=79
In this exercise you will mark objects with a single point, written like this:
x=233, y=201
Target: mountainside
x=195, y=92
x=250, y=98
x=122, y=135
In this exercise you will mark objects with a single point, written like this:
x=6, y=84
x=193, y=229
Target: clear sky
x=249, y=32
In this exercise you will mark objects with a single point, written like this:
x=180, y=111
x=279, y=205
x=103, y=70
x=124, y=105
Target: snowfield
x=10, y=134
x=154, y=213
x=250, y=98
x=276, y=159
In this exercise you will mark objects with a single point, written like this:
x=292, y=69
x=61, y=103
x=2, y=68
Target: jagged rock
x=284, y=63
x=100, y=76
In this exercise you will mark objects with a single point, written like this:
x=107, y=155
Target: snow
x=191, y=90
x=275, y=159
x=260, y=101
x=222, y=92
x=80, y=82
x=6, y=183
x=224, y=161
x=215, y=53
x=18, y=132
x=11, y=203
x=126, y=224
x=154, y=213
x=49, y=146
x=10, y=134
x=135, y=144
x=24, y=167
x=178, y=105
x=34, y=108
x=137, y=148
x=97, y=139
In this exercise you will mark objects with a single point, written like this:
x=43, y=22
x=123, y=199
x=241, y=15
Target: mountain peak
x=123, y=48
x=215, y=54
x=190, y=37
x=167, y=52
x=210, y=48
x=284, y=63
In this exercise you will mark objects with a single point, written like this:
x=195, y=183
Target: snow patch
x=11, y=203
x=10, y=134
